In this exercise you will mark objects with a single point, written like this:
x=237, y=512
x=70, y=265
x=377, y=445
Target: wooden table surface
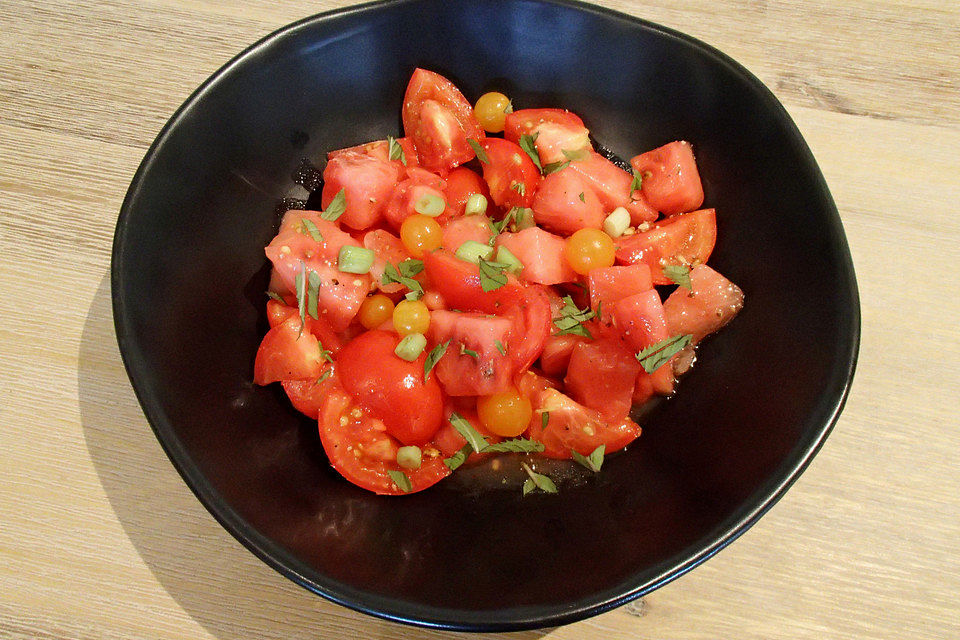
x=100, y=538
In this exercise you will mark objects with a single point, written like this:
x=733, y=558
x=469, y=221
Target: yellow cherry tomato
x=491, y=110
x=506, y=414
x=411, y=316
x=375, y=310
x=420, y=235
x=589, y=249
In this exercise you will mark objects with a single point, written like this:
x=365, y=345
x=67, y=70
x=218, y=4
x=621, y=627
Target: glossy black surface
x=189, y=274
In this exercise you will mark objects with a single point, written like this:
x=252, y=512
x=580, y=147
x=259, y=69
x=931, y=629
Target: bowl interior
x=190, y=274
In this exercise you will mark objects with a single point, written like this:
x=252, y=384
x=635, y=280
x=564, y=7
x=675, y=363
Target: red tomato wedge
x=294, y=248
x=458, y=282
x=572, y=426
x=387, y=248
x=556, y=131
x=686, y=239
x=612, y=186
x=287, y=353
x=461, y=184
x=510, y=173
x=367, y=181
x=671, y=182
x=381, y=149
x=472, y=365
x=391, y=388
x=712, y=303
x=277, y=313
x=419, y=182
x=601, y=375
x=439, y=120
x=306, y=396
x=565, y=203
x=642, y=322
x=541, y=253
x=556, y=353
x=362, y=451
x=459, y=230
x=607, y=285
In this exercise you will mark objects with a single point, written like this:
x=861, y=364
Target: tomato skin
x=671, y=182
x=287, y=353
x=510, y=173
x=439, y=120
x=565, y=203
x=610, y=284
x=362, y=452
x=556, y=353
x=461, y=183
x=556, y=130
x=612, y=185
x=713, y=302
x=641, y=320
x=571, y=425
x=367, y=182
x=458, y=282
x=462, y=374
x=533, y=322
x=381, y=149
x=390, y=388
x=277, y=313
x=687, y=238
x=542, y=255
x=306, y=396
x=601, y=375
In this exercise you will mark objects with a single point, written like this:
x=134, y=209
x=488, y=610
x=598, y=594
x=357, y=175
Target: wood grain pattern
x=99, y=537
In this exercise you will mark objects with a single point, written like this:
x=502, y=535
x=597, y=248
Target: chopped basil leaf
x=500, y=347
x=323, y=376
x=457, y=459
x=527, y=144
x=325, y=354
x=313, y=291
x=468, y=352
x=654, y=356
x=410, y=267
x=581, y=196
x=528, y=486
x=540, y=481
x=396, y=151
x=573, y=156
x=599, y=310
x=476, y=441
x=491, y=275
x=593, y=461
x=481, y=154
x=637, y=182
x=544, y=419
x=301, y=282
x=276, y=297
x=390, y=274
x=519, y=187
x=336, y=207
x=680, y=274
x=514, y=445
x=572, y=318
x=553, y=167
x=311, y=229
x=433, y=357
x=401, y=480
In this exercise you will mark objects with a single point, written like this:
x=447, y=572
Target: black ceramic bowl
x=189, y=276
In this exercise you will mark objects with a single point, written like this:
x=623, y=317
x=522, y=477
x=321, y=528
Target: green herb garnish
x=491, y=275
x=313, y=291
x=311, y=229
x=433, y=357
x=593, y=461
x=301, y=282
x=410, y=267
x=519, y=187
x=637, y=182
x=573, y=156
x=401, y=480
x=572, y=318
x=500, y=347
x=336, y=207
x=544, y=419
x=481, y=154
x=514, y=445
x=527, y=143
x=323, y=376
x=276, y=296
x=476, y=441
x=680, y=274
x=390, y=275
x=654, y=356
x=553, y=167
x=537, y=481
x=396, y=150
x=457, y=459
x=468, y=352
x=581, y=196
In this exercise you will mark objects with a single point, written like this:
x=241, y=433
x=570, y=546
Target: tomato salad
x=431, y=315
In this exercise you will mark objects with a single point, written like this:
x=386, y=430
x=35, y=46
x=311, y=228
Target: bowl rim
x=499, y=620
